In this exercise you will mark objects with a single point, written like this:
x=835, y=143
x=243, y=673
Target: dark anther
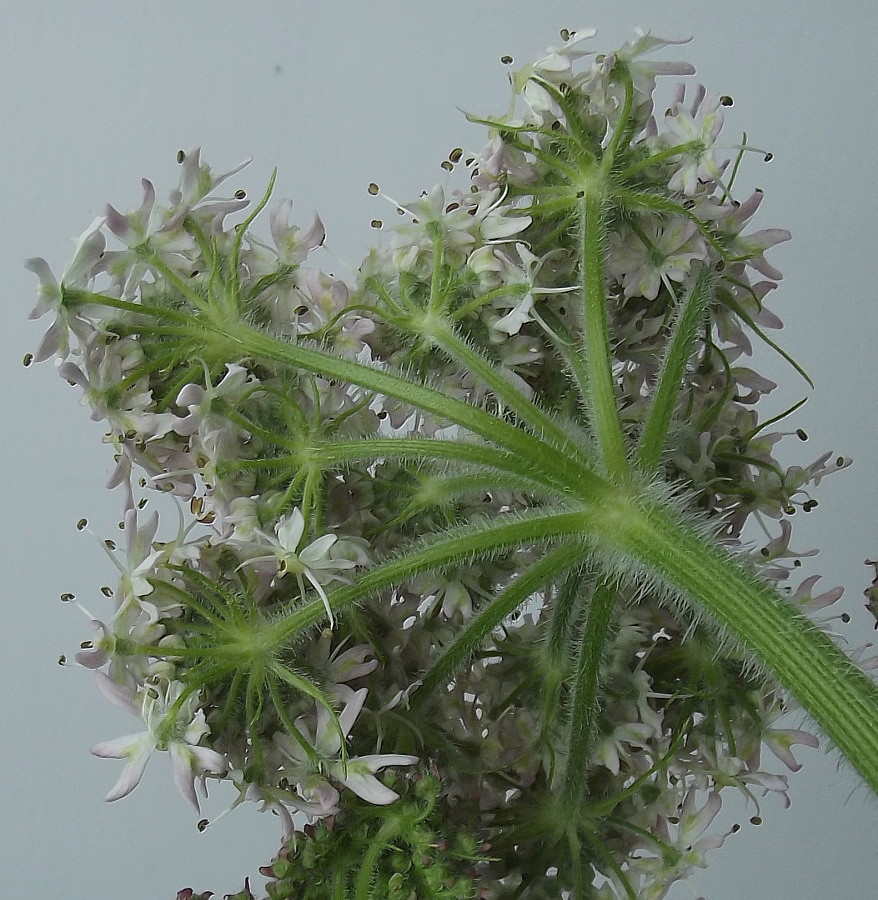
x=566, y=34
x=82, y=523
x=110, y=545
x=28, y=359
x=62, y=660
x=107, y=591
x=377, y=223
x=580, y=195
x=445, y=164
x=506, y=60
x=726, y=100
x=240, y=194
x=768, y=157
x=845, y=617
x=180, y=156
x=66, y=598
x=373, y=188
x=755, y=820
x=456, y=154
x=202, y=824
x=801, y=434
x=840, y=461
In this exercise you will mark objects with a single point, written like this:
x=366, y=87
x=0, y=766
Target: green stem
x=840, y=697
x=524, y=408
x=462, y=452
x=469, y=542
x=584, y=705
x=677, y=355
x=247, y=341
x=598, y=357
x=496, y=610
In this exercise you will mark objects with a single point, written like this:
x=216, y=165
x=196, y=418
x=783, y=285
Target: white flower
x=358, y=774
x=313, y=562
x=177, y=731
x=78, y=274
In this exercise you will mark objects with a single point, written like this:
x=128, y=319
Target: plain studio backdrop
x=97, y=95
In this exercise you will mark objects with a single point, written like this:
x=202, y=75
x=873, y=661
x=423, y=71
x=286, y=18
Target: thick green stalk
x=598, y=357
x=841, y=698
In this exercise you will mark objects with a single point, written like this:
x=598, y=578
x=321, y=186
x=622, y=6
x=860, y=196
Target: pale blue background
x=98, y=94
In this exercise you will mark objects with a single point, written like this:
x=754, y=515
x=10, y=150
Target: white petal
x=118, y=695
x=370, y=789
x=315, y=553
x=184, y=774
x=134, y=768
x=289, y=531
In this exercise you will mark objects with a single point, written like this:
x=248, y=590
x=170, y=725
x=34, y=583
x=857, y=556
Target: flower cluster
x=375, y=564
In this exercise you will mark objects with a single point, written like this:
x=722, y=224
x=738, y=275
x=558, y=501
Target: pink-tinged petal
x=209, y=760
x=315, y=235
x=352, y=664
x=49, y=292
x=779, y=741
x=119, y=224
x=95, y=656
x=52, y=341
x=121, y=747
x=694, y=825
x=319, y=796
x=117, y=694
x=497, y=227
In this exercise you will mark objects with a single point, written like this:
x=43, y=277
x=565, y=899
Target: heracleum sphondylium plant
x=458, y=575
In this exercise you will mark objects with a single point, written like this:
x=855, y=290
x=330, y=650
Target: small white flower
x=357, y=774
x=314, y=561
x=177, y=731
